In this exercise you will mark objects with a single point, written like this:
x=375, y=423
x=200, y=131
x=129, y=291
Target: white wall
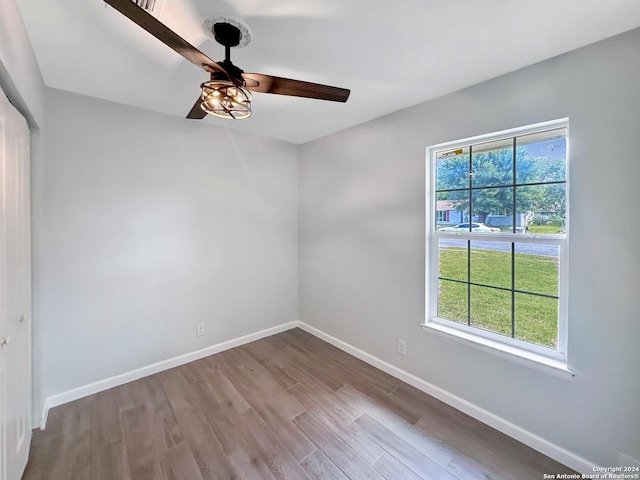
x=20, y=75
x=362, y=245
x=146, y=224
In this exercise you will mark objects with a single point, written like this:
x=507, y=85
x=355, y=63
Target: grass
x=545, y=229
x=536, y=318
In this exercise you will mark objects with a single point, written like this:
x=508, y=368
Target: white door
x=15, y=293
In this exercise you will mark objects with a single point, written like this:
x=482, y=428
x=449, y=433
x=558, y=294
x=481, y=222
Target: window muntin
x=503, y=282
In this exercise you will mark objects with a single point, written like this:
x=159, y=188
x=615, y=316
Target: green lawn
x=545, y=229
x=536, y=318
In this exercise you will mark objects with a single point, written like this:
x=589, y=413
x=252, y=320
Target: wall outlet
x=402, y=347
x=199, y=329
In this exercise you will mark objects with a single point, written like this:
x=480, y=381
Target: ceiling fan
x=227, y=93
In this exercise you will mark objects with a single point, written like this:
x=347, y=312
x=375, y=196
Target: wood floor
x=285, y=407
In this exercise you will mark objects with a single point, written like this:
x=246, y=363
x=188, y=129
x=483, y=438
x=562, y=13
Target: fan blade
x=196, y=112
x=257, y=82
x=164, y=34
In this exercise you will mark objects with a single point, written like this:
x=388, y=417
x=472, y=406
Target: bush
x=555, y=220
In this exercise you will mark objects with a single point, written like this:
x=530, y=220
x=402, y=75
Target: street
x=529, y=248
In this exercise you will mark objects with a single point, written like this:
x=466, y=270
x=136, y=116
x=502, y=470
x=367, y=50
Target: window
x=498, y=277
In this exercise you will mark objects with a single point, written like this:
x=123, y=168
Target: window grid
x=532, y=184
x=515, y=290
x=512, y=239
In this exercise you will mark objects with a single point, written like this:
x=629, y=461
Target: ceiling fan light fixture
x=224, y=99
x=226, y=94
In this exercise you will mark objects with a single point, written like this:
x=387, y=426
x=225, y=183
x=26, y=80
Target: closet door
x=15, y=293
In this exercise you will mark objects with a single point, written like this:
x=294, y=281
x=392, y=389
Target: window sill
x=548, y=365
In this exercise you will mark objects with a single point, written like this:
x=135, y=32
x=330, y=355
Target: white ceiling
x=391, y=54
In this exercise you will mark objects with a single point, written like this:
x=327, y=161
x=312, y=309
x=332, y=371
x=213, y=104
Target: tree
x=493, y=168
x=555, y=198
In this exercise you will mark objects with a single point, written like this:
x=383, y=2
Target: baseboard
x=534, y=441
x=107, y=383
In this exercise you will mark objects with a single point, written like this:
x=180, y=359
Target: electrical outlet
x=402, y=347
x=199, y=329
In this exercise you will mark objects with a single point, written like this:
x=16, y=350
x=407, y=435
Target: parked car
x=464, y=227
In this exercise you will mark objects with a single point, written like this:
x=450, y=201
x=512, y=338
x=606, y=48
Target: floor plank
x=465, y=469
x=130, y=395
x=249, y=465
x=267, y=445
x=178, y=464
x=349, y=433
x=193, y=371
x=220, y=419
x=205, y=445
x=265, y=353
x=167, y=432
x=77, y=458
x=324, y=397
x=384, y=413
x=55, y=423
x=45, y=460
x=343, y=456
x=319, y=467
x=418, y=463
x=378, y=404
x=325, y=373
x=258, y=377
x=225, y=393
x=110, y=462
x=289, y=406
x=392, y=469
x=141, y=450
x=351, y=368
x=105, y=419
x=274, y=410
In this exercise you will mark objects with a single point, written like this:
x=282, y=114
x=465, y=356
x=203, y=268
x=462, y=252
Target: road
x=530, y=248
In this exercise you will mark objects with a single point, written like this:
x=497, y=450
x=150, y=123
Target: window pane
x=491, y=309
x=541, y=157
x=492, y=164
x=452, y=169
x=536, y=320
x=452, y=301
x=541, y=209
x=453, y=261
x=491, y=263
x=492, y=207
x=453, y=207
x=536, y=268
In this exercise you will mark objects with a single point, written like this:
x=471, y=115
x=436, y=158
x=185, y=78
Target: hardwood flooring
x=285, y=407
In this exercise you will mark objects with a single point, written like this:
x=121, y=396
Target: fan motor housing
x=235, y=73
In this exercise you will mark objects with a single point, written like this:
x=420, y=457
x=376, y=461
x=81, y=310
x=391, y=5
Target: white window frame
x=554, y=361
